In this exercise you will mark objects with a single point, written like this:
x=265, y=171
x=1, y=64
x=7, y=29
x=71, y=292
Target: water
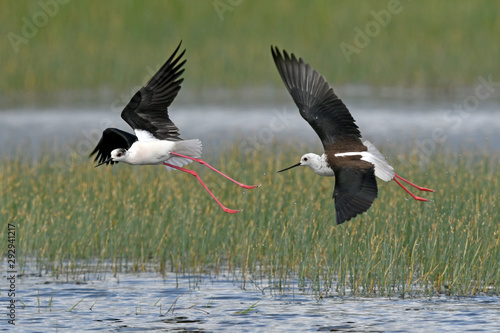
x=147, y=302
x=421, y=129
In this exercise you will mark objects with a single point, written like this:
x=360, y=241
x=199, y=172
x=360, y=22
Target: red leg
x=416, y=186
x=214, y=169
x=412, y=195
x=191, y=172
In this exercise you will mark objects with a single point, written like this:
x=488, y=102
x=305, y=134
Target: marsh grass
x=73, y=218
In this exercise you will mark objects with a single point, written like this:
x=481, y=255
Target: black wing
x=354, y=193
x=148, y=109
x=316, y=101
x=112, y=138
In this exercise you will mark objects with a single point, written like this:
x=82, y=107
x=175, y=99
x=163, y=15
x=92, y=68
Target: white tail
x=191, y=148
x=383, y=169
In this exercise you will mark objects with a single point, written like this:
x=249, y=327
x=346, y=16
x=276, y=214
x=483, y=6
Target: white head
x=311, y=160
x=119, y=155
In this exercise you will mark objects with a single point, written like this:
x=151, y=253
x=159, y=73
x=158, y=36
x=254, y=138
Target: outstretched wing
x=354, y=193
x=112, y=138
x=316, y=101
x=148, y=109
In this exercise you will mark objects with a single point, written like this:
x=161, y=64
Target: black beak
x=293, y=166
x=105, y=162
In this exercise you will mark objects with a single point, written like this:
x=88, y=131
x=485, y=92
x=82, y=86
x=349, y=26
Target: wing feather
x=354, y=193
x=316, y=101
x=148, y=108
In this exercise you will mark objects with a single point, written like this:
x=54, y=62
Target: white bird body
x=158, y=151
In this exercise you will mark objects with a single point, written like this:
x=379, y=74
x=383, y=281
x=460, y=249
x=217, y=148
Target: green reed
x=71, y=216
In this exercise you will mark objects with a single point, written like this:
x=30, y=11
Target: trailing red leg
x=191, y=172
x=416, y=186
x=214, y=169
x=412, y=195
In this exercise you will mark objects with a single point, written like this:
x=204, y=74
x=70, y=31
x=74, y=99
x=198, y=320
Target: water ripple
x=149, y=302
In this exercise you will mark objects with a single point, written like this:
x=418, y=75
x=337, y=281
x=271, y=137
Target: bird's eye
x=305, y=159
x=119, y=154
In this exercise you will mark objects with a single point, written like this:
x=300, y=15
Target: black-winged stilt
x=353, y=163
x=156, y=139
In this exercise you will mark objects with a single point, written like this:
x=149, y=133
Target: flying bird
x=156, y=139
x=353, y=163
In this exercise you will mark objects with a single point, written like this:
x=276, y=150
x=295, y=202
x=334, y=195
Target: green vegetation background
x=109, y=44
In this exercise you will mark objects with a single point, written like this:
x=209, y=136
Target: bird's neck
x=321, y=167
x=129, y=157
